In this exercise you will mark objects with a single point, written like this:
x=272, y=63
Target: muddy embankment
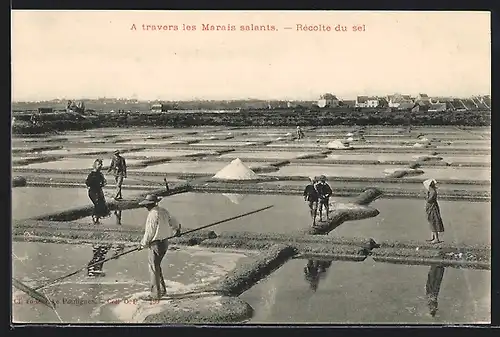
x=280, y=117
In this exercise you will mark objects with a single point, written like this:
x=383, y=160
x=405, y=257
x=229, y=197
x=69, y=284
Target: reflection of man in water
x=118, y=215
x=314, y=271
x=434, y=279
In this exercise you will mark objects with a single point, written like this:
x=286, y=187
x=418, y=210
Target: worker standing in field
x=95, y=182
x=300, y=133
x=324, y=194
x=160, y=225
x=119, y=168
x=312, y=197
x=433, y=211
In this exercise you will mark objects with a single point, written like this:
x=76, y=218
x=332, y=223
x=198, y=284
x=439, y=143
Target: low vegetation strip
x=66, y=121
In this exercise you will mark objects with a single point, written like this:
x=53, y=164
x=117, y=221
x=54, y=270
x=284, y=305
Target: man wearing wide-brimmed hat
x=311, y=196
x=119, y=168
x=160, y=225
x=324, y=193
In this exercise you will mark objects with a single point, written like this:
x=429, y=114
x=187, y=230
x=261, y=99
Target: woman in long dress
x=95, y=182
x=432, y=210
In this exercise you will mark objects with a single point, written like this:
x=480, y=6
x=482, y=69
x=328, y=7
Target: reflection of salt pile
x=236, y=170
x=234, y=197
x=337, y=144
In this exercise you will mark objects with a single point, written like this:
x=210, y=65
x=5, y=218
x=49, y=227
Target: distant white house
x=396, y=100
x=328, y=100
x=370, y=102
x=422, y=98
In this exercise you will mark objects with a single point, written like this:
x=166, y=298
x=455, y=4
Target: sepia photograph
x=251, y=167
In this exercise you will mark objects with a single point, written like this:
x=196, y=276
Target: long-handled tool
x=33, y=293
x=137, y=248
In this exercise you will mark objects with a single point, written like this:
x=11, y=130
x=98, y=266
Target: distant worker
x=119, y=168
x=433, y=211
x=324, y=193
x=160, y=225
x=300, y=133
x=312, y=197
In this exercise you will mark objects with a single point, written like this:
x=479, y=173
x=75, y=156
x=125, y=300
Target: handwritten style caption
x=248, y=28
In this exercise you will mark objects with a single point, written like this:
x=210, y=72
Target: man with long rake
x=160, y=225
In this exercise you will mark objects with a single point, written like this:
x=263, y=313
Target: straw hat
x=116, y=152
x=428, y=182
x=150, y=200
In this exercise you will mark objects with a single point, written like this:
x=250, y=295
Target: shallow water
x=74, y=164
x=80, y=298
x=264, y=154
x=399, y=219
x=70, y=151
x=224, y=143
x=377, y=171
x=28, y=202
x=369, y=293
x=167, y=153
x=153, y=142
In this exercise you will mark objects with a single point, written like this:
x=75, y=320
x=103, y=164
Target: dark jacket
x=310, y=193
x=118, y=166
x=324, y=190
x=95, y=181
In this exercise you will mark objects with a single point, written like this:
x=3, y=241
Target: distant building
x=349, y=103
x=437, y=107
x=422, y=98
x=361, y=101
x=394, y=101
x=328, y=100
x=370, y=102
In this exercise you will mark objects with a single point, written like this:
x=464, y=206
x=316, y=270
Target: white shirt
x=160, y=224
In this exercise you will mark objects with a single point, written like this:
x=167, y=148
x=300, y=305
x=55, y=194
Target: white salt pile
x=236, y=170
x=350, y=134
x=420, y=145
x=280, y=138
x=337, y=144
x=350, y=139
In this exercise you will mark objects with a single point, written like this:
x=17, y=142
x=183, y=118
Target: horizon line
x=233, y=99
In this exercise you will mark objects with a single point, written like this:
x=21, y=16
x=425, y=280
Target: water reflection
x=434, y=280
x=314, y=271
x=234, y=197
x=118, y=216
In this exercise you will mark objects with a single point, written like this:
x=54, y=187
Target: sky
x=90, y=54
